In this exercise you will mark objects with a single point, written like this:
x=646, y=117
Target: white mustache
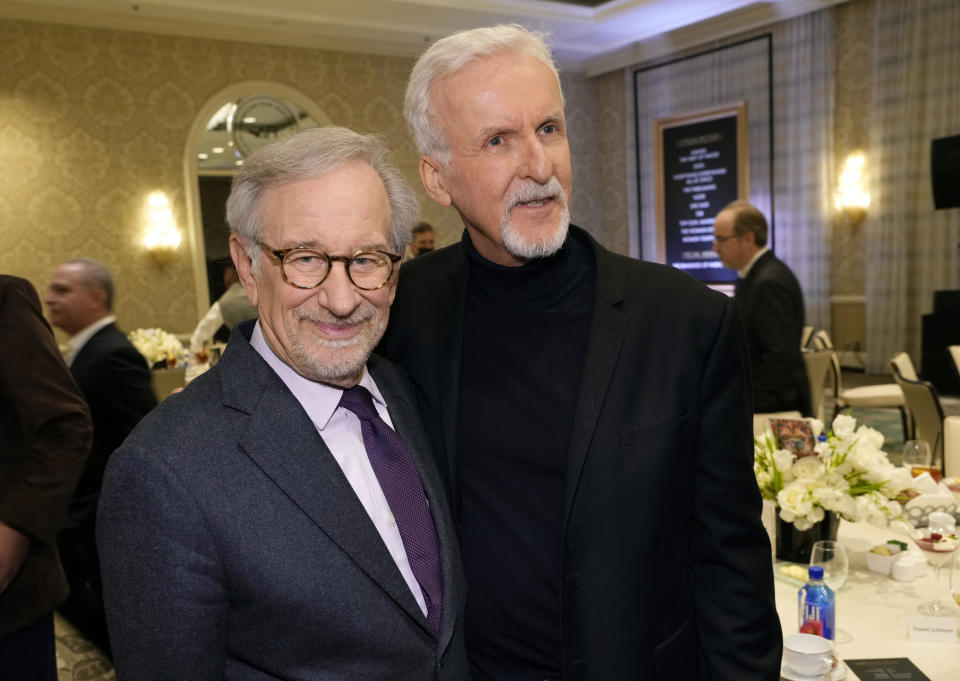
x=532, y=191
x=360, y=315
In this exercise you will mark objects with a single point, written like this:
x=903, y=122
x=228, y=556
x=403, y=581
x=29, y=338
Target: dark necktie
x=403, y=490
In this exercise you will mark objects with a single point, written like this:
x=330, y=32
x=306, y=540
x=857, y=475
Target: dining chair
x=880, y=396
x=819, y=364
x=923, y=403
x=955, y=355
x=805, y=337
x=951, y=446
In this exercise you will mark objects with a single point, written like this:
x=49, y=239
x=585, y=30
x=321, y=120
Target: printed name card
x=933, y=629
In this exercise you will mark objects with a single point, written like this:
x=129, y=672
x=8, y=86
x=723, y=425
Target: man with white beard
x=592, y=412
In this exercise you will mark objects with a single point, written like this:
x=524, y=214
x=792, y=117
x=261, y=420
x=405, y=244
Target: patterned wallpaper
x=92, y=121
x=854, y=87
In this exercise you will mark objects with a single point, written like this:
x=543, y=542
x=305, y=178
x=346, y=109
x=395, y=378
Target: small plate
x=838, y=673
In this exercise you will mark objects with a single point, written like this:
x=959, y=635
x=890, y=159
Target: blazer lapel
x=282, y=441
x=450, y=312
x=604, y=344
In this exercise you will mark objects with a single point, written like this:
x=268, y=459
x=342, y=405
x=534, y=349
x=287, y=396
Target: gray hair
x=95, y=275
x=310, y=154
x=747, y=219
x=449, y=55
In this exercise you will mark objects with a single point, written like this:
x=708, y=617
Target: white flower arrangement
x=158, y=345
x=847, y=473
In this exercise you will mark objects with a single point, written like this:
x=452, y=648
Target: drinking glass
x=917, y=457
x=955, y=577
x=939, y=541
x=832, y=557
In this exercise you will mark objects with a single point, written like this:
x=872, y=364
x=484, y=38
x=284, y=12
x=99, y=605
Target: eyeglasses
x=720, y=239
x=307, y=268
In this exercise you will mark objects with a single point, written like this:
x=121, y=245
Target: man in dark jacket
x=115, y=380
x=771, y=304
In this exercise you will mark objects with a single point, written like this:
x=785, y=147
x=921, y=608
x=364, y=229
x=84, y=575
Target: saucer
x=838, y=673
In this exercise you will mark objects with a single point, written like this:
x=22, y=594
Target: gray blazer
x=233, y=546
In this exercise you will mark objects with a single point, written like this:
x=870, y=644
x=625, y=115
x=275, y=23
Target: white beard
x=522, y=246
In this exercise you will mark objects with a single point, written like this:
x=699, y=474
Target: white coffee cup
x=808, y=654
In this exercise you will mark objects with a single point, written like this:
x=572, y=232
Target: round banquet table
x=874, y=608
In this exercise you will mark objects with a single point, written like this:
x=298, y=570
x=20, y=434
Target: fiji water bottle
x=816, y=601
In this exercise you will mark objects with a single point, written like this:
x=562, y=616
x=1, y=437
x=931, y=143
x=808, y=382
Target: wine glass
x=917, y=457
x=832, y=557
x=938, y=540
x=955, y=577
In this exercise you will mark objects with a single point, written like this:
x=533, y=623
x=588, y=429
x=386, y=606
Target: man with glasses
x=281, y=517
x=771, y=304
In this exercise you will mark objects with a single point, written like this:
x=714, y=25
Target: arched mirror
x=234, y=124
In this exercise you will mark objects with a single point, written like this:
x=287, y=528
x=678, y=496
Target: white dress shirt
x=340, y=430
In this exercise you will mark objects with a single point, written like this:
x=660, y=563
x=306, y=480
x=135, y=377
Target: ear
x=431, y=174
x=244, y=266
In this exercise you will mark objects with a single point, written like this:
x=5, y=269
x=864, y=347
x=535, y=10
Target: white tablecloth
x=874, y=608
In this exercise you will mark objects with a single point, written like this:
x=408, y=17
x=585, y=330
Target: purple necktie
x=403, y=489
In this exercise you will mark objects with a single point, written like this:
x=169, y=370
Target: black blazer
x=771, y=304
x=233, y=547
x=115, y=380
x=666, y=566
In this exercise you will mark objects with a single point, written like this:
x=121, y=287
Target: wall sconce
x=852, y=198
x=162, y=238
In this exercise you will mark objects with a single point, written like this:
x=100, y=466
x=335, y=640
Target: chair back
x=901, y=362
x=819, y=365
x=806, y=336
x=821, y=340
x=951, y=446
x=955, y=355
x=923, y=403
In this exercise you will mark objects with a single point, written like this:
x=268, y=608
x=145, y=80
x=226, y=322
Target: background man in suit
x=593, y=411
x=45, y=430
x=115, y=381
x=771, y=304
x=282, y=516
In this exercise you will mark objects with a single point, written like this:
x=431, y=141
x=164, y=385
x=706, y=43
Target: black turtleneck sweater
x=525, y=337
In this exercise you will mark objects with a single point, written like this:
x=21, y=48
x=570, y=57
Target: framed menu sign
x=701, y=165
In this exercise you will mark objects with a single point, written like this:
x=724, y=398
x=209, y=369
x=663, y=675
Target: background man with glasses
x=281, y=517
x=771, y=304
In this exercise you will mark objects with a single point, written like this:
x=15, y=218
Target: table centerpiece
x=816, y=478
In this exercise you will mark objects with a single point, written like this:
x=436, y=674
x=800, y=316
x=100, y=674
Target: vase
x=795, y=545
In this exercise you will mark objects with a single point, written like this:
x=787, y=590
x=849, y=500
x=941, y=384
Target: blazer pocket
x=677, y=656
x=654, y=431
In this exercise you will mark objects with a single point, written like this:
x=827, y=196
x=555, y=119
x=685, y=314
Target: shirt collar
x=319, y=400
x=79, y=339
x=756, y=256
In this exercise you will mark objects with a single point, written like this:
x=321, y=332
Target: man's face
x=509, y=173
x=734, y=251
x=423, y=243
x=72, y=304
x=326, y=333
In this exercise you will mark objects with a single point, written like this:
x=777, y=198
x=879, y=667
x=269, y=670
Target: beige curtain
x=911, y=248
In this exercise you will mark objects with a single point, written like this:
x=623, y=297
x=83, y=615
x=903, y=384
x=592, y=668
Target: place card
x=884, y=669
x=933, y=629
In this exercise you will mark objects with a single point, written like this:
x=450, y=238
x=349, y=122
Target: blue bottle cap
x=815, y=571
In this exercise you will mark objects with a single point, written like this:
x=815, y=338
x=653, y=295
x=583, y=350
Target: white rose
x=807, y=468
x=843, y=425
x=870, y=436
x=795, y=499
x=783, y=460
